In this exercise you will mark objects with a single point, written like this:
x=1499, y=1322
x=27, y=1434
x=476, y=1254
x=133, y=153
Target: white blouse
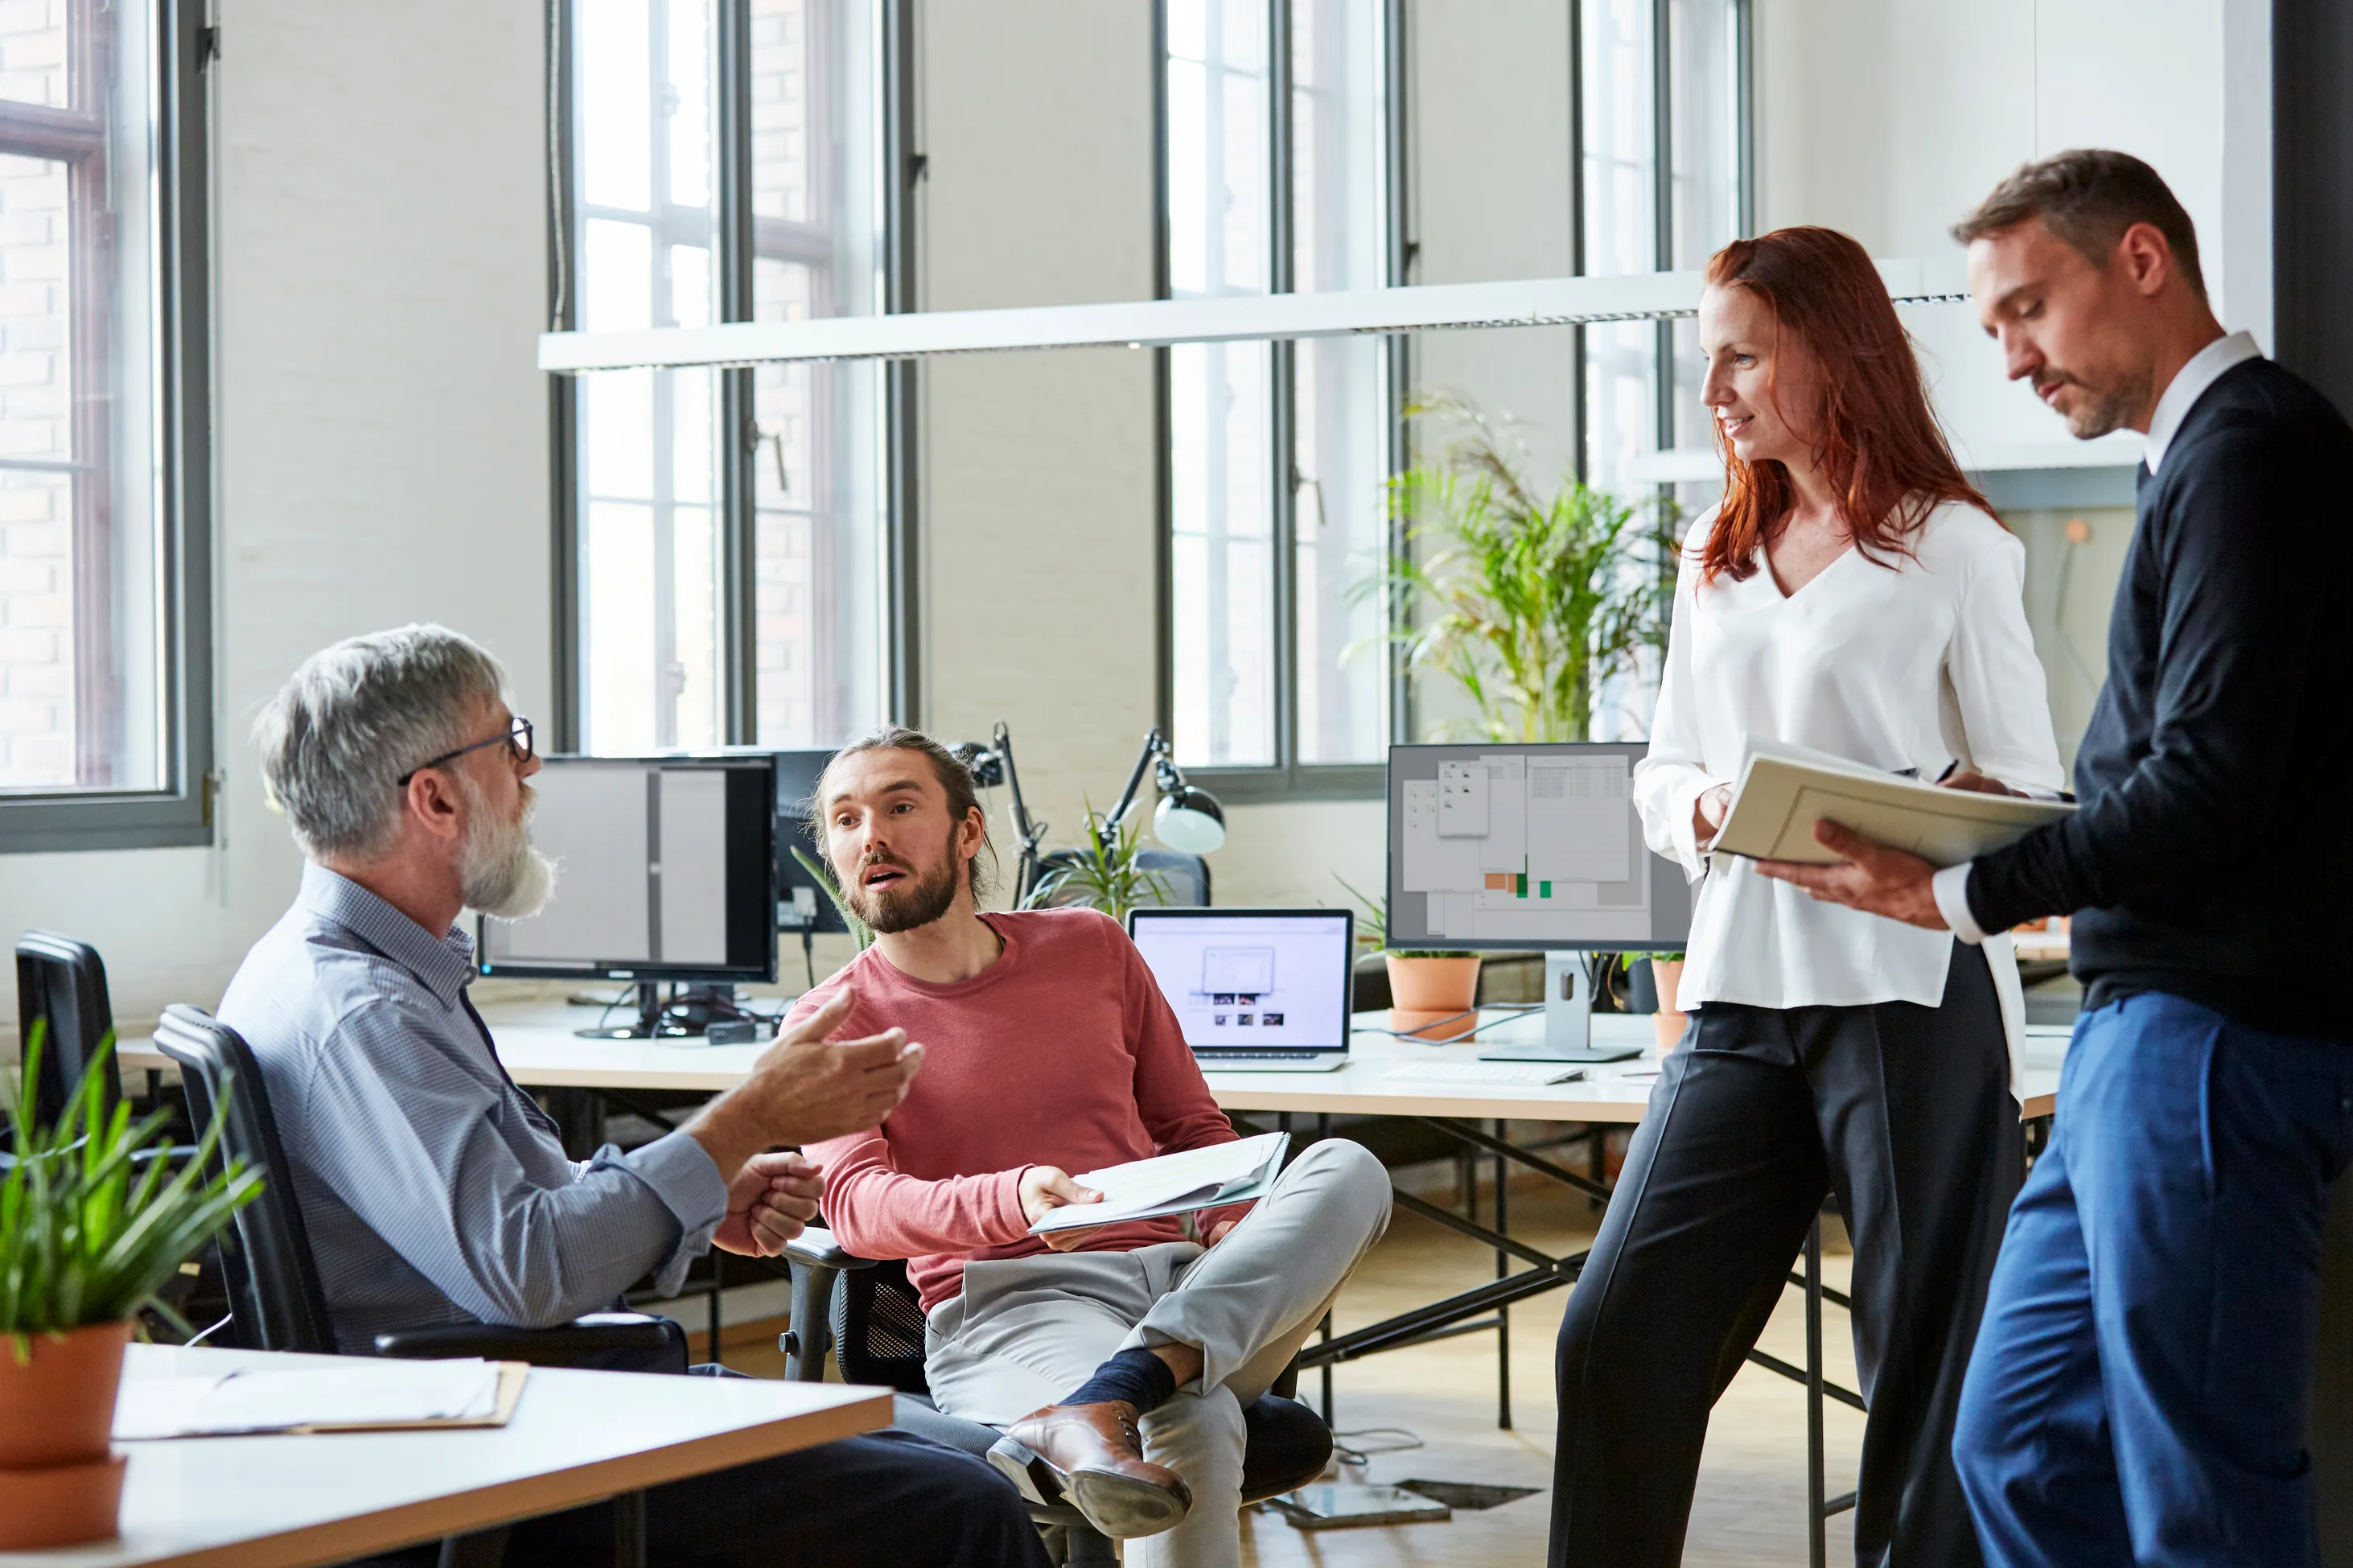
x=1910, y=666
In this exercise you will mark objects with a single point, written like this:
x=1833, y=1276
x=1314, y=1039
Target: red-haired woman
x=1853, y=594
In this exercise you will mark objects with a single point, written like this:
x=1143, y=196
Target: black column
x=2312, y=193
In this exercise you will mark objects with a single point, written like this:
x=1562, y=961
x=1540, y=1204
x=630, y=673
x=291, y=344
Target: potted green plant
x=88, y=1232
x=1421, y=980
x=1666, y=978
x=1103, y=873
x=1528, y=603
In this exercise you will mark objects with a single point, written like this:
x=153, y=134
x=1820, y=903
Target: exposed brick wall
x=37, y=686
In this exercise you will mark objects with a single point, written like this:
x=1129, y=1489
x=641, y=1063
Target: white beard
x=498, y=873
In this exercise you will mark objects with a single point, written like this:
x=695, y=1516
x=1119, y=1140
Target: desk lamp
x=1187, y=819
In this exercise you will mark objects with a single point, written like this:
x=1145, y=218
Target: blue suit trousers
x=2138, y=1392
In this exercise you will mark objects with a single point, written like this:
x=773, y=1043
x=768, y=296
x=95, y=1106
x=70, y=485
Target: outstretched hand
x=771, y=1201
x=1870, y=877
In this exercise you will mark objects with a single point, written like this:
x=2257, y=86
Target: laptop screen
x=1251, y=978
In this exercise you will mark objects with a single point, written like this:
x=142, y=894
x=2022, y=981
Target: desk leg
x=629, y=1531
x=1503, y=1267
x=1817, y=1515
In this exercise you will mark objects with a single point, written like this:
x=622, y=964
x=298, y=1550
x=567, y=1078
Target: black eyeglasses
x=517, y=738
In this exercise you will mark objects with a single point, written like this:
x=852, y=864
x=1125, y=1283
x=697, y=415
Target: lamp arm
x=1030, y=833
x=1153, y=746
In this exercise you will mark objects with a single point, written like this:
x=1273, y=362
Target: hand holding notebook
x=1180, y=1184
x=1785, y=789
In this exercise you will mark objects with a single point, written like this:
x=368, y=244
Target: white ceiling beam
x=1156, y=324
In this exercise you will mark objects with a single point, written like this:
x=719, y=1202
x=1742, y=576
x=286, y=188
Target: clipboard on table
x=1783, y=789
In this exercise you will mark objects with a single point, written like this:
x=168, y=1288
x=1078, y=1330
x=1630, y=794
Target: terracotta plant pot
x=59, y=1505
x=1432, y=985
x=59, y=1482
x=1667, y=974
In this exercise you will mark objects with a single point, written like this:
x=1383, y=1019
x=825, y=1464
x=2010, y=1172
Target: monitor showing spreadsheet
x=1527, y=846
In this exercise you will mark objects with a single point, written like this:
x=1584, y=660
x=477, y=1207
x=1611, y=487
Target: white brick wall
x=37, y=712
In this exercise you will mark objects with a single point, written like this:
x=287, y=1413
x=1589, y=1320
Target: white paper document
x=1785, y=789
x=366, y=1393
x=1236, y=1172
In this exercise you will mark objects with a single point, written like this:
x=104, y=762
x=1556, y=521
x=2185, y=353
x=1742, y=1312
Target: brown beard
x=2104, y=408
x=913, y=903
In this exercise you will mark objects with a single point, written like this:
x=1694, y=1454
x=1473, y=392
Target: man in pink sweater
x=1119, y=1362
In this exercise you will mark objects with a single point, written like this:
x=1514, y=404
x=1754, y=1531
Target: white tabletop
x=577, y=1437
x=537, y=1044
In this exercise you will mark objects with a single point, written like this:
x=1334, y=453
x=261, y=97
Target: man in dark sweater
x=2138, y=1388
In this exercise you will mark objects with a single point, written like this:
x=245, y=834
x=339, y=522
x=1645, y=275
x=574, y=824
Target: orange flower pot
x=1432, y=985
x=59, y=1483
x=1667, y=974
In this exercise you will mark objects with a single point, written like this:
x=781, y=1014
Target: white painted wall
x=381, y=431
x=1891, y=121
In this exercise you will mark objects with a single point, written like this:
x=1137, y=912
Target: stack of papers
x=1236, y=1172
x=368, y=1395
x=1785, y=789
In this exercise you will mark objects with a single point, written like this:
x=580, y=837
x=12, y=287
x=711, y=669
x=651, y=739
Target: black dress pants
x=887, y=1500
x=1905, y=1112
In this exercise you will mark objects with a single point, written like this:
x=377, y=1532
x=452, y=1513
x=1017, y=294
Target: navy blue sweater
x=2213, y=859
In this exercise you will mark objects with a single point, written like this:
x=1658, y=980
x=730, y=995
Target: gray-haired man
x=435, y=1192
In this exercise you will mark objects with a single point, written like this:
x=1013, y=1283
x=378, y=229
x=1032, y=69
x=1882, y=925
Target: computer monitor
x=1266, y=984
x=666, y=872
x=1530, y=846
x=802, y=904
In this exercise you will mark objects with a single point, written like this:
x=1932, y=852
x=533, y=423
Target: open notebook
x=1236, y=1172
x=1785, y=789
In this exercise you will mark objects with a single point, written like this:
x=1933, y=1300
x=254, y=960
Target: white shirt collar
x=2188, y=383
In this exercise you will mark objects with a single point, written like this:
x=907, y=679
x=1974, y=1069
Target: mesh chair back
x=63, y=980
x=273, y=1286
x=878, y=1327
x=1184, y=878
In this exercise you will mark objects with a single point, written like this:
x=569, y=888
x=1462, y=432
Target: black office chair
x=64, y=981
x=1184, y=878
x=276, y=1302
x=870, y=1317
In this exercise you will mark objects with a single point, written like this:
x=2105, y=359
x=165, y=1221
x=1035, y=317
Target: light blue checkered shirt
x=435, y=1190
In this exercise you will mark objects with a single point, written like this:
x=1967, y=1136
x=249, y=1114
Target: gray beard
x=498, y=873
x=2102, y=412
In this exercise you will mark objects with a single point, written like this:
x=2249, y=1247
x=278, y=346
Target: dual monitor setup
x=680, y=871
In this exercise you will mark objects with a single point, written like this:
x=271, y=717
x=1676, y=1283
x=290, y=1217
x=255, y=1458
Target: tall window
x=1280, y=123
x=726, y=523
x=103, y=590
x=1276, y=152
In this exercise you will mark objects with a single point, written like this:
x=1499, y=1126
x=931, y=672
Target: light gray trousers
x=1028, y=1331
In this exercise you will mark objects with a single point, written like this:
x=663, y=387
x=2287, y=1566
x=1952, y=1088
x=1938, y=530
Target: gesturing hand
x=805, y=1087
x=1871, y=877
x=771, y=1201
x=1044, y=1189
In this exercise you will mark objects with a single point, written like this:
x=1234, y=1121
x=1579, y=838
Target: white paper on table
x=369, y=1394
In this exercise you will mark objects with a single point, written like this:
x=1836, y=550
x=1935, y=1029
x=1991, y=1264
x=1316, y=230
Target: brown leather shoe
x=1095, y=1454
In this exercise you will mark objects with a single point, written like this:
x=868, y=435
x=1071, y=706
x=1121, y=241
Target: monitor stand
x=1568, y=1020
x=647, y=1025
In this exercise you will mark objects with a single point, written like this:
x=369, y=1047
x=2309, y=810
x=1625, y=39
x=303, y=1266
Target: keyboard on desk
x=1485, y=1074
x=1271, y=1059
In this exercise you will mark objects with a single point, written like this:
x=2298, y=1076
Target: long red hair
x=1873, y=437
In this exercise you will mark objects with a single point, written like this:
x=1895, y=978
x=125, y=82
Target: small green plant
x=1529, y=604
x=859, y=931
x=1379, y=911
x=1101, y=873
x=88, y=1232
x=1628, y=961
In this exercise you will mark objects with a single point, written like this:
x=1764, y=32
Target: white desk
x=536, y=1042
x=577, y=1437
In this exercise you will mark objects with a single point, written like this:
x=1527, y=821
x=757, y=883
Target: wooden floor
x=1750, y=1507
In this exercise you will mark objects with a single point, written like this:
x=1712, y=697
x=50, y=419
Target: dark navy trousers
x=2137, y=1395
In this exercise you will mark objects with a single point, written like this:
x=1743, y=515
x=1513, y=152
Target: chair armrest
x=817, y=1249
x=601, y=1341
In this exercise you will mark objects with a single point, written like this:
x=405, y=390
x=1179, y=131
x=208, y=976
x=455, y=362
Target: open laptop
x=1256, y=991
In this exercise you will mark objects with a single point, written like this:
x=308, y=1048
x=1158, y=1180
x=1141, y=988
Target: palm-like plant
x=89, y=1232
x=859, y=931
x=1529, y=604
x=1102, y=872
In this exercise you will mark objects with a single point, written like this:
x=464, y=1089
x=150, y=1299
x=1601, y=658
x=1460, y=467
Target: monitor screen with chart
x=1527, y=846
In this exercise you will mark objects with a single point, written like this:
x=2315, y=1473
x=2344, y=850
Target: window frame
x=1288, y=779
x=735, y=240
x=180, y=811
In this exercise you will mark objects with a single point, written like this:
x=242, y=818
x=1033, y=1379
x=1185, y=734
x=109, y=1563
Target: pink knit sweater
x=1062, y=1052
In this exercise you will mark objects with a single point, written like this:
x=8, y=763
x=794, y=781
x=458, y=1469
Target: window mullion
x=737, y=433
x=1283, y=403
